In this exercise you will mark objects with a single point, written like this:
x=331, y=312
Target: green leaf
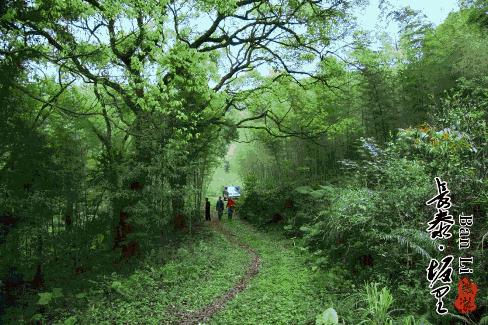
x=328, y=317
x=305, y=229
x=57, y=293
x=97, y=241
x=70, y=321
x=119, y=288
x=318, y=194
x=45, y=298
x=304, y=189
x=36, y=317
x=116, y=285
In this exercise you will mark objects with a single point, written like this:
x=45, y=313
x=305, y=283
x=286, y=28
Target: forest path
x=276, y=288
x=219, y=303
x=227, y=272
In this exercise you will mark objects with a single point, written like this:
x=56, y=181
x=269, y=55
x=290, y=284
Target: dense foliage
x=356, y=195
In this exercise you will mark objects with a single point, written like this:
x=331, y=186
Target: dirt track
x=219, y=303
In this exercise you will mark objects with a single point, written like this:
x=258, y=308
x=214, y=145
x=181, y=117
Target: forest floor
x=228, y=272
x=219, y=303
x=284, y=291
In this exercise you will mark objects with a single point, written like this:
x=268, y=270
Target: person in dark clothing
x=207, y=209
x=220, y=208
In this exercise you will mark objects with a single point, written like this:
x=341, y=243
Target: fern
x=464, y=319
x=417, y=240
x=483, y=240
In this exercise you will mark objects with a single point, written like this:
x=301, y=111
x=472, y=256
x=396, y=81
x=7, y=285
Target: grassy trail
x=219, y=303
x=227, y=273
x=167, y=284
x=284, y=290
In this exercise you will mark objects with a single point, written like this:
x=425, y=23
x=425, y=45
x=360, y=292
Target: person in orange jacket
x=230, y=208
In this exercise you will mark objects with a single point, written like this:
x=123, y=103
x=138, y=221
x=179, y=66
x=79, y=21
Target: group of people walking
x=220, y=208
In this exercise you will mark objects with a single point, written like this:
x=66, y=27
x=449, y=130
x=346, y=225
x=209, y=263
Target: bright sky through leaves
x=369, y=18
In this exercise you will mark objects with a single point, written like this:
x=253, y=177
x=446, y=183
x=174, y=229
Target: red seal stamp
x=465, y=300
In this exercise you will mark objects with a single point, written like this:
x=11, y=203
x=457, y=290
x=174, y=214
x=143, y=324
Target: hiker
x=230, y=208
x=220, y=208
x=207, y=209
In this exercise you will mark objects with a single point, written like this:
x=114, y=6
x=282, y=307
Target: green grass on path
x=202, y=269
x=283, y=292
